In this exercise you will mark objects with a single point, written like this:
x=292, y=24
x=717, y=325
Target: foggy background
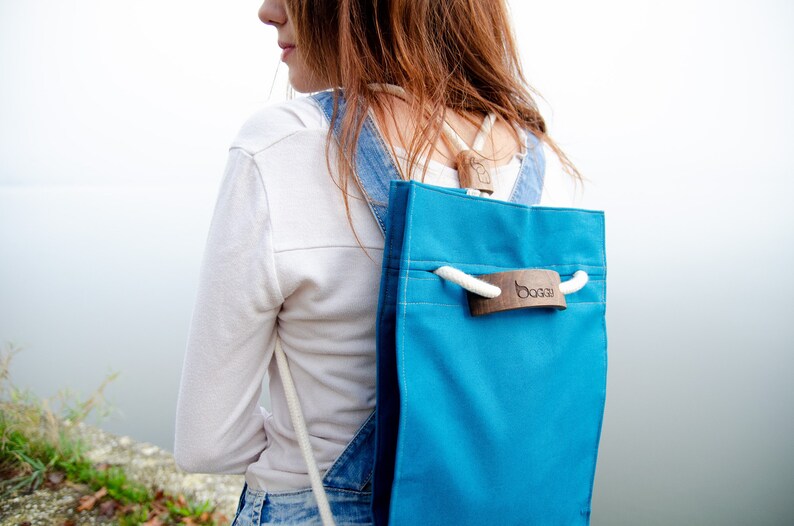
x=115, y=118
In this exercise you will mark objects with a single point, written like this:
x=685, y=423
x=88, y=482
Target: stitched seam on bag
x=403, y=406
x=446, y=262
x=462, y=263
x=591, y=280
x=382, y=308
x=458, y=305
x=529, y=209
x=430, y=303
x=439, y=279
x=603, y=404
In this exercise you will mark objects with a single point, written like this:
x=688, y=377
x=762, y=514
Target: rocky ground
x=143, y=463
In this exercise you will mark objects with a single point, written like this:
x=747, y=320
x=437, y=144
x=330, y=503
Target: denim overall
x=348, y=482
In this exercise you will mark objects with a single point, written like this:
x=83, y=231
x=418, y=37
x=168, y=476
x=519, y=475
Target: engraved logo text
x=541, y=292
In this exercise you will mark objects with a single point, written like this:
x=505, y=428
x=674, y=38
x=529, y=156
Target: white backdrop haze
x=114, y=123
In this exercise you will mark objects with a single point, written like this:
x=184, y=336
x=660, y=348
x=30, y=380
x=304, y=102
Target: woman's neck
x=397, y=123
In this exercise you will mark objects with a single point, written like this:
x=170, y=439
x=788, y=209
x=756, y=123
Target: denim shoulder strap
x=375, y=167
x=529, y=183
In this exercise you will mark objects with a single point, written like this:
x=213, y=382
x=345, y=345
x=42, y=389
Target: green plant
x=38, y=444
x=189, y=509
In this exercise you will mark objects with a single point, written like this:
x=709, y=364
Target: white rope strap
x=486, y=290
x=454, y=138
x=468, y=282
x=485, y=131
x=299, y=423
x=476, y=193
x=576, y=283
x=449, y=132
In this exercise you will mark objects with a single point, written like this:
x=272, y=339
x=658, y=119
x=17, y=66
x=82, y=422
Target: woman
x=293, y=249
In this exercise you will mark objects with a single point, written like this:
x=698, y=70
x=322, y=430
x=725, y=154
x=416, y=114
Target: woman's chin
x=302, y=84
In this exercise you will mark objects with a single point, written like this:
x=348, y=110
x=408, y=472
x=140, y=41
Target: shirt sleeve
x=219, y=423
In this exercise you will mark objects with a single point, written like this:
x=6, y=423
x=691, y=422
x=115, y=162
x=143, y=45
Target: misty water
x=101, y=279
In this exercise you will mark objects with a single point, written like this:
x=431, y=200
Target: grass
x=39, y=447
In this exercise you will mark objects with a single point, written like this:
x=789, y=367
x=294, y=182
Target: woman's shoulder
x=276, y=122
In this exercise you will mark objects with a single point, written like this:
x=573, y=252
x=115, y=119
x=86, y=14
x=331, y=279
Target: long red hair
x=451, y=55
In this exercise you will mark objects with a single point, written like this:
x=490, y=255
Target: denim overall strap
x=529, y=183
x=375, y=168
x=352, y=470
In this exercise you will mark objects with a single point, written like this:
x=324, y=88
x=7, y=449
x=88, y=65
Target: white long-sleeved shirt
x=281, y=261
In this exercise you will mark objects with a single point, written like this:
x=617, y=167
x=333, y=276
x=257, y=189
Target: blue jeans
x=348, y=484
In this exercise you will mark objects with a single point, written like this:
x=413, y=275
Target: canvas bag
x=494, y=419
x=490, y=419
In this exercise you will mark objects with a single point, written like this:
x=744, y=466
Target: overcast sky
x=149, y=92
